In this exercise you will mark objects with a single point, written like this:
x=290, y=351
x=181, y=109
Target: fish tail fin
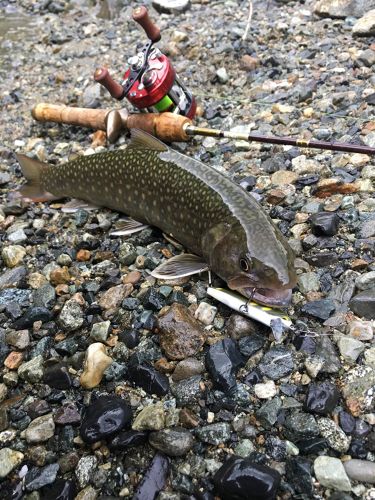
x=32, y=169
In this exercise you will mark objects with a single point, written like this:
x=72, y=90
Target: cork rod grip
x=84, y=117
x=167, y=127
x=141, y=16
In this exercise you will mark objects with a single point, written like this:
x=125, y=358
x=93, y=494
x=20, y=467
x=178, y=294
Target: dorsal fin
x=143, y=140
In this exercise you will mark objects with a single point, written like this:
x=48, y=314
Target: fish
x=223, y=227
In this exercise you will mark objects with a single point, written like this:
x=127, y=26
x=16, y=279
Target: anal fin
x=179, y=266
x=74, y=205
x=125, y=227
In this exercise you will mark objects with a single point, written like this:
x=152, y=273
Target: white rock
x=330, y=473
x=9, y=459
x=365, y=26
x=205, y=313
x=170, y=6
x=95, y=364
x=265, y=391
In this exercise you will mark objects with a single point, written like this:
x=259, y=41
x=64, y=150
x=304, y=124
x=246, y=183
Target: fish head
x=267, y=277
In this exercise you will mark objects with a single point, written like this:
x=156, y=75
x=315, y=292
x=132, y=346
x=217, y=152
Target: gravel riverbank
x=114, y=384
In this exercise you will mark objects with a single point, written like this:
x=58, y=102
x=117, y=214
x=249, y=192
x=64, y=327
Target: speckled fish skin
x=200, y=207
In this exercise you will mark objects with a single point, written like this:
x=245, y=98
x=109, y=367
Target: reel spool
x=150, y=83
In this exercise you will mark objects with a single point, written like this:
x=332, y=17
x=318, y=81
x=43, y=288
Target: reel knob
x=103, y=77
x=140, y=15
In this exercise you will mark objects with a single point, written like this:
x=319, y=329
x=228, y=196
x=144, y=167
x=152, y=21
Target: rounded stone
x=174, y=442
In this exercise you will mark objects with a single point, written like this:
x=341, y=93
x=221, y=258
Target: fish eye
x=244, y=264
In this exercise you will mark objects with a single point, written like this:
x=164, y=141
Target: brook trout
x=222, y=226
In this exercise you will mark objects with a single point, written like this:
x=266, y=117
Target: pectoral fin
x=179, y=266
x=124, y=227
x=74, y=205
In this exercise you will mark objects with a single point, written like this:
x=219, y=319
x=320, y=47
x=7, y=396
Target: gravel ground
x=117, y=385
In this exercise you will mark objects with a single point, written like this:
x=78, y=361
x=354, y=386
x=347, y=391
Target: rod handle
x=103, y=77
x=141, y=16
x=83, y=117
x=167, y=127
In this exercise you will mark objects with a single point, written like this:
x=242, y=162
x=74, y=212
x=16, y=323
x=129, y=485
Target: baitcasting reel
x=150, y=83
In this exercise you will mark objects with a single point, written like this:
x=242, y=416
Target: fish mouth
x=268, y=296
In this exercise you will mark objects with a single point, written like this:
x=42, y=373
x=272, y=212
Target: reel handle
x=141, y=16
x=103, y=77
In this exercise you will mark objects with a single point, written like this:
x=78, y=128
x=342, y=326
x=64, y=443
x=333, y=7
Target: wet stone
x=360, y=470
x=32, y=315
x=187, y=368
x=40, y=429
x=223, y=359
x=335, y=436
x=238, y=326
x=298, y=471
x=214, y=433
x=145, y=376
x=128, y=439
x=181, y=335
x=100, y=331
x=187, y=391
x=32, y=371
x=324, y=224
x=321, y=309
x=105, y=417
x=268, y=412
x=71, y=316
x=85, y=469
x=154, y=479
x=37, y=477
x=153, y=300
x=67, y=414
x=277, y=363
x=250, y=344
x=322, y=398
x=56, y=375
x=151, y=418
x=239, y=476
x=301, y=426
x=174, y=442
x=61, y=489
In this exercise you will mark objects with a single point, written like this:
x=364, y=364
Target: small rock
x=170, y=6
x=111, y=300
x=128, y=439
x=12, y=277
x=145, y=376
x=154, y=478
x=335, y=436
x=222, y=75
x=360, y=330
x=370, y=357
x=37, y=477
x=95, y=364
x=59, y=276
x=244, y=448
x=366, y=57
x=357, y=389
x=330, y=473
x=205, y=313
x=71, y=316
x=322, y=398
x=9, y=459
x=67, y=414
x=363, y=304
x=223, y=359
x=187, y=368
x=174, y=442
x=251, y=344
x=239, y=476
x=14, y=360
x=100, y=331
x=181, y=335
x=360, y=470
x=105, y=417
x=188, y=391
x=88, y=493
x=85, y=469
x=321, y=309
x=249, y=63
x=265, y=391
x=365, y=26
x=40, y=429
x=365, y=281
x=308, y=282
x=57, y=375
x=350, y=348
x=268, y=412
x=214, y=433
x=282, y=177
x=238, y=326
x=151, y=418
x=277, y=363
x=13, y=255
x=32, y=370
x=324, y=224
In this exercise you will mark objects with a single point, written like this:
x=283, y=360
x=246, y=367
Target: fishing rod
x=170, y=127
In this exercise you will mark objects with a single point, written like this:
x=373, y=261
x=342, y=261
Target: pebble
x=222, y=75
x=154, y=479
x=175, y=344
x=239, y=476
x=170, y=6
x=111, y=299
x=238, y=326
x=335, y=436
x=32, y=371
x=105, y=417
x=324, y=224
x=174, y=442
x=277, y=363
x=244, y=448
x=350, y=348
x=365, y=26
x=265, y=391
x=321, y=309
x=37, y=477
x=85, y=469
x=363, y=304
x=330, y=473
x=357, y=389
x=57, y=375
x=60, y=489
x=308, y=282
x=251, y=344
x=223, y=359
x=188, y=391
x=360, y=330
x=145, y=376
x=13, y=255
x=67, y=414
x=88, y=493
x=370, y=357
x=100, y=331
x=205, y=313
x=40, y=429
x=187, y=368
x=12, y=277
x=71, y=316
x=214, y=434
x=360, y=470
x=322, y=398
x=95, y=364
x=365, y=281
x=128, y=439
x=151, y=418
x=9, y=459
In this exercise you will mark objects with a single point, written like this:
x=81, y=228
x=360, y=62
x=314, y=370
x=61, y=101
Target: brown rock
x=68, y=462
x=104, y=255
x=61, y=290
x=181, y=335
x=99, y=138
x=112, y=298
x=249, y=63
x=164, y=366
x=83, y=255
x=275, y=196
x=133, y=277
x=13, y=360
x=188, y=419
x=60, y=276
x=358, y=264
x=95, y=364
x=282, y=177
x=238, y=326
x=328, y=187
x=187, y=368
